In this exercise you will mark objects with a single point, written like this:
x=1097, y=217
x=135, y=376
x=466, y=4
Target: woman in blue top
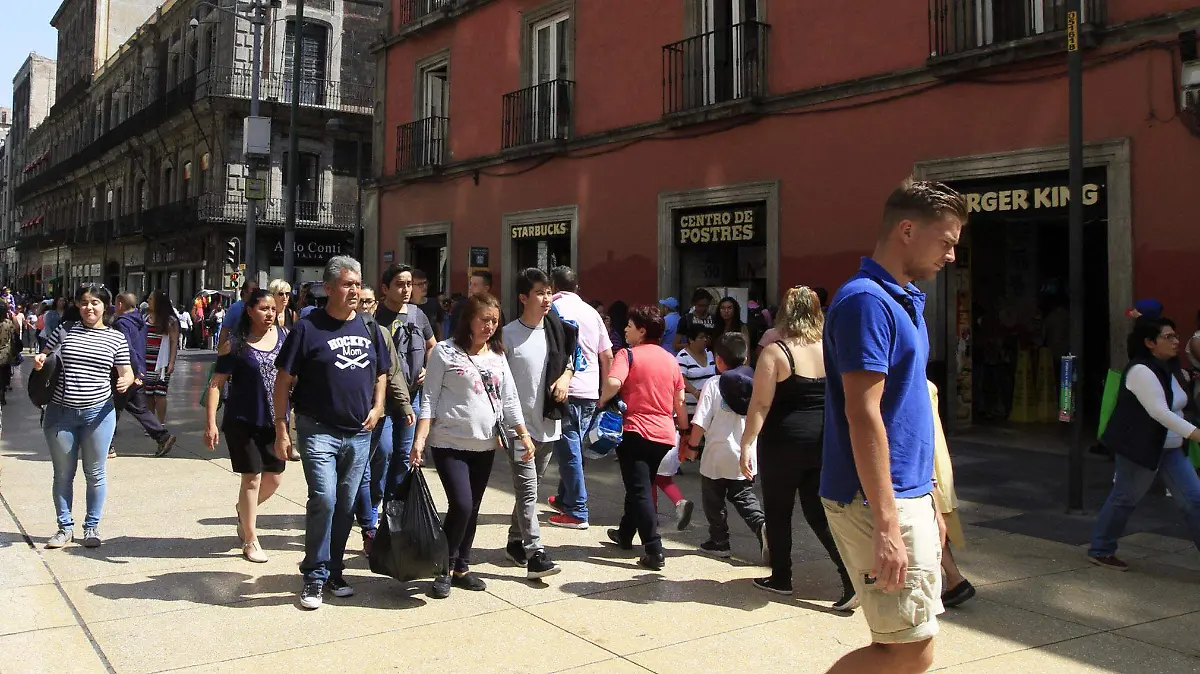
x=247, y=362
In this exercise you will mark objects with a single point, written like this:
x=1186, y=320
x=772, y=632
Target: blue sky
x=25, y=28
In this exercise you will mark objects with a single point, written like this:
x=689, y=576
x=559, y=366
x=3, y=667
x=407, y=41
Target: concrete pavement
x=169, y=591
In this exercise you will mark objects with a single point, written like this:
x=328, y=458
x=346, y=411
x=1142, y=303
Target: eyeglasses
x=1170, y=337
x=421, y=284
x=370, y=302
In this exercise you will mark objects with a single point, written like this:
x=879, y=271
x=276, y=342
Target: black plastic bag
x=409, y=543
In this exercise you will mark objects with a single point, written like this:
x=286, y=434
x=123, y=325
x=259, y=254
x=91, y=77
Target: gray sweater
x=457, y=398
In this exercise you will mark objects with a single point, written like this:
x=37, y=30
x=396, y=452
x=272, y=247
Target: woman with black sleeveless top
x=787, y=416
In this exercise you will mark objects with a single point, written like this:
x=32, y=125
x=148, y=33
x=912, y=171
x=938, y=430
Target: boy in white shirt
x=720, y=419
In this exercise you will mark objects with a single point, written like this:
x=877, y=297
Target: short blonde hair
x=800, y=316
x=279, y=286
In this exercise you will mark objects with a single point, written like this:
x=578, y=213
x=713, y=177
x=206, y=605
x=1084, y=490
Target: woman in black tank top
x=787, y=418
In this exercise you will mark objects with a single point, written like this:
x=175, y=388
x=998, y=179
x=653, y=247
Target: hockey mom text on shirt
x=355, y=351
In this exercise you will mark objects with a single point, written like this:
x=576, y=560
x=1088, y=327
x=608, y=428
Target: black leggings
x=639, y=459
x=464, y=476
x=782, y=478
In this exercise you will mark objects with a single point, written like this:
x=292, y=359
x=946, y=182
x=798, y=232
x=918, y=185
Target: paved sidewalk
x=169, y=590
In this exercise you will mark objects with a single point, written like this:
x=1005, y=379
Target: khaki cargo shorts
x=909, y=614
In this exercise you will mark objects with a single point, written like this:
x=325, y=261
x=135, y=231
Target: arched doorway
x=112, y=276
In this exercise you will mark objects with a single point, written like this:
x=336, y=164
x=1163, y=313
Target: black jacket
x=561, y=340
x=1131, y=431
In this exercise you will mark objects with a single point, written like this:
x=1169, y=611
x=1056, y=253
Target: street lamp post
x=1075, y=249
x=257, y=19
x=293, y=188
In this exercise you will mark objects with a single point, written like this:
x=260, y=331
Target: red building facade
x=748, y=145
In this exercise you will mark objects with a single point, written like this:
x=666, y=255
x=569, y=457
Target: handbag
x=608, y=427
x=498, y=429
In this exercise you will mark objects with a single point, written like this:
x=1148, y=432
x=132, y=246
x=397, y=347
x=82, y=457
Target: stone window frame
x=423, y=65
x=531, y=18
x=508, y=256
x=669, y=202
x=1114, y=156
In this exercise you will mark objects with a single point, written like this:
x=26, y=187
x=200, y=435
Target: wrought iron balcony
x=412, y=11
x=228, y=208
x=227, y=82
x=957, y=26
x=421, y=144
x=538, y=114
x=724, y=65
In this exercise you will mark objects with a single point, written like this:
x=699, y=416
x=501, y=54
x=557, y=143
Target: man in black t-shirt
x=432, y=308
x=333, y=367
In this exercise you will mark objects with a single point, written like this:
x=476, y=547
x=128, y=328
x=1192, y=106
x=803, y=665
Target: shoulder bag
x=498, y=428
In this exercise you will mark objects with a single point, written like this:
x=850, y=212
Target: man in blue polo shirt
x=877, y=471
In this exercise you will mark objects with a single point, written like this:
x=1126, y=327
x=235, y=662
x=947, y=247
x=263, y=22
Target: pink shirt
x=593, y=341
x=649, y=390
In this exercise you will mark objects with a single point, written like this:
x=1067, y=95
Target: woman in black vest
x=1147, y=431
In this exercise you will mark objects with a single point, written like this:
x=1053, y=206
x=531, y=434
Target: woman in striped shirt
x=81, y=417
x=162, y=345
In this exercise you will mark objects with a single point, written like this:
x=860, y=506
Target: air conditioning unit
x=1189, y=80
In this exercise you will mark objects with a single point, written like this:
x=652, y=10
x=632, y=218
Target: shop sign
x=309, y=251
x=95, y=271
x=734, y=223
x=478, y=257
x=542, y=230
x=182, y=251
x=388, y=256
x=1033, y=197
x=135, y=256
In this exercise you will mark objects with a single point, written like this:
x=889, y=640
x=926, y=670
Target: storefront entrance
x=544, y=238
x=1011, y=300
x=722, y=249
x=430, y=254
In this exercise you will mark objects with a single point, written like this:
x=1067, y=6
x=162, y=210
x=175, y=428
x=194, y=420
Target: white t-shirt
x=696, y=374
x=593, y=340
x=525, y=348
x=723, y=428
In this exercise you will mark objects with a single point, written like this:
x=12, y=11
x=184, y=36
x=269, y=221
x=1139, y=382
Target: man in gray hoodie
x=130, y=323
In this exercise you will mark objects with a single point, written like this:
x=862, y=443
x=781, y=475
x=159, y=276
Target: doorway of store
x=1011, y=302
x=430, y=254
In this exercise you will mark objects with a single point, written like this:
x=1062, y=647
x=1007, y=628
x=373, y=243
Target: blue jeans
x=1132, y=483
x=572, y=490
x=333, y=462
x=391, y=440
x=71, y=432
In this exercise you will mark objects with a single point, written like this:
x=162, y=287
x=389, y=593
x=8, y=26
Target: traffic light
x=233, y=253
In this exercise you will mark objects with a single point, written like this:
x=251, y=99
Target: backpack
x=409, y=342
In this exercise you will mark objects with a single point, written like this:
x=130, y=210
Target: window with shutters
x=314, y=54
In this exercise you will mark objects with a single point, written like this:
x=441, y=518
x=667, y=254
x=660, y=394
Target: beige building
x=143, y=182
x=33, y=96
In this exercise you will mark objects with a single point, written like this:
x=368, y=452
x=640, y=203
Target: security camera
x=194, y=23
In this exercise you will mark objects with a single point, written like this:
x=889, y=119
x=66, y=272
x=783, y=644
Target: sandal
x=253, y=553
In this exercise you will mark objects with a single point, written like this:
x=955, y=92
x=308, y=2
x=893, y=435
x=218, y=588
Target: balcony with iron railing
x=409, y=12
x=352, y=97
x=231, y=208
x=421, y=144
x=538, y=114
x=963, y=26
x=720, y=66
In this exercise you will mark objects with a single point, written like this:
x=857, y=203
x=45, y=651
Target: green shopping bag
x=1112, y=385
x=1194, y=452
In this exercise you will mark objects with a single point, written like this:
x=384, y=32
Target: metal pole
x=289, y=218
x=1075, y=228
x=251, y=252
x=358, y=178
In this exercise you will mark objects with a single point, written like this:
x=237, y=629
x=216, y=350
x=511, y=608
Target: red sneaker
x=568, y=522
x=553, y=503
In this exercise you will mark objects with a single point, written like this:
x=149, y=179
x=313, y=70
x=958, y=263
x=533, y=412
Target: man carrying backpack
x=413, y=338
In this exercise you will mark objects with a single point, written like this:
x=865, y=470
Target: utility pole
x=293, y=190
x=251, y=252
x=1075, y=229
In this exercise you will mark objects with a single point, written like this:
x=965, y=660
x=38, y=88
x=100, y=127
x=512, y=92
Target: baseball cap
x=1148, y=307
x=669, y=302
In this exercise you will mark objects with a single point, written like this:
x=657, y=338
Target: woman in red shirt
x=651, y=385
